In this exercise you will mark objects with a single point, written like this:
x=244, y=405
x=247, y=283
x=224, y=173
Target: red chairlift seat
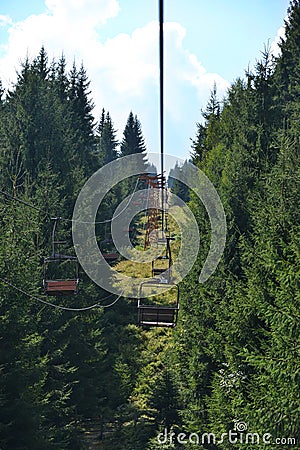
x=110, y=256
x=54, y=285
x=107, y=248
x=57, y=286
x=61, y=287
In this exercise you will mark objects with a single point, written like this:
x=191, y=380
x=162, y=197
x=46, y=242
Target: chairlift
x=157, y=269
x=111, y=257
x=56, y=263
x=106, y=249
x=155, y=314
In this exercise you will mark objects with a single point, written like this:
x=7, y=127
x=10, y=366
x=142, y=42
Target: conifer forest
x=228, y=374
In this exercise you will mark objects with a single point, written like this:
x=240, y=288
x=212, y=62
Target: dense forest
x=228, y=375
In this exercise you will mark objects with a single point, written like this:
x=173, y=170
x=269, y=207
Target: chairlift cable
x=150, y=315
x=17, y=199
x=45, y=302
x=113, y=218
x=161, y=102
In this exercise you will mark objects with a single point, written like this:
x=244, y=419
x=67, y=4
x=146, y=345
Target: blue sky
x=117, y=41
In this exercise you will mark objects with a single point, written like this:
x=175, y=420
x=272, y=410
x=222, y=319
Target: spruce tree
x=107, y=142
x=133, y=141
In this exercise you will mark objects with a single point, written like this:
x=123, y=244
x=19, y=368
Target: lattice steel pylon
x=155, y=183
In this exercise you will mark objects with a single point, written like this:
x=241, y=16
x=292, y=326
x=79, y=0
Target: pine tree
x=82, y=120
x=107, y=142
x=177, y=186
x=277, y=295
x=60, y=78
x=23, y=368
x=39, y=163
x=101, y=122
x=133, y=141
x=207, y=135
x=287, y=74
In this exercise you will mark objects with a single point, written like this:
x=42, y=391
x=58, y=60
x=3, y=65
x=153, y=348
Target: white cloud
x=203, y=81
x=275, y=49
x=127, y=62
x=5, y=20
x=68, y=25
x=91, y=12
x=123, y=69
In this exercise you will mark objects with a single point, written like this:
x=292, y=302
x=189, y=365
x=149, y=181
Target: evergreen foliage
x=107, y=141
x=238, y=333
x=234, y=355
x=133, y=141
